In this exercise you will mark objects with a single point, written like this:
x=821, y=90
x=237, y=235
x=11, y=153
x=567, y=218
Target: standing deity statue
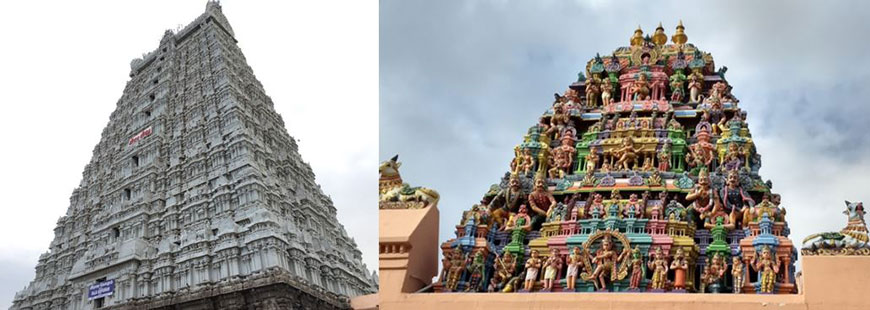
x=737, y=274
x=575, y=261
x=592, y=159
x=551, y=270
x=767, y=266
x=592, y=90
x=475, y=268
x=606, y=94
x=659, y=267
x=627, y=154
x=606, y=260
x=680, y=266
x=533, y=266
x=638, y=271
x=677, y=81
x=664, y=157
x=696, y=85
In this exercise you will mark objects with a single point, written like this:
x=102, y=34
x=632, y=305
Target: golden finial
x=637, y=38
x=680, y=37
x=660, y=38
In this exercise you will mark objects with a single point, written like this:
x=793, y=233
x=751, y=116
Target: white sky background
x=462, y=81
x=64, y=65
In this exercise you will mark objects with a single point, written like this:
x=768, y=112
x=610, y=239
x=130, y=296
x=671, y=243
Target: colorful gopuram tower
x=642, y=176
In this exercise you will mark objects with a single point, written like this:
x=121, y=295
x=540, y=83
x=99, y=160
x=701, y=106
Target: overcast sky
x=461, y=82
x=64, y=65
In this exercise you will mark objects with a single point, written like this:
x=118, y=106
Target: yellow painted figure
x=659, y=265
x=768, y=267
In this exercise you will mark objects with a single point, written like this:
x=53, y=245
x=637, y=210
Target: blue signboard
x=101, y=289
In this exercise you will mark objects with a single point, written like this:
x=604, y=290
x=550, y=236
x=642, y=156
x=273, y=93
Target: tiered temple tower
x=642, y=176
x=196, y=197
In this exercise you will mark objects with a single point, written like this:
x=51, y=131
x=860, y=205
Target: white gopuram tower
x=196, y=198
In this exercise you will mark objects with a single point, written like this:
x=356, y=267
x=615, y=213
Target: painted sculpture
x=851, y=240
x=642, y=177
x=394, y=194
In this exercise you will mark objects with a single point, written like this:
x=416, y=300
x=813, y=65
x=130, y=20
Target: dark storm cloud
x=461, y=82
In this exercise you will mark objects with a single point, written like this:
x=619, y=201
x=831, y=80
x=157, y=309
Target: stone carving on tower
x=196, y=197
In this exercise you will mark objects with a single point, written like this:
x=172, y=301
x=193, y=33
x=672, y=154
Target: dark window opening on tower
x=135, y=161
x=127, y=193
x=154, y=82
x=116, y=232
x=151, y=96
x=147, y=113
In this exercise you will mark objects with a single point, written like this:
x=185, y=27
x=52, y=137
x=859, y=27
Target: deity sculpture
x=593, y=90
x=575, y=261
x=680, y=266
x=533, y=266
x=664, y=157
x=541, y=200
x=647, y=165
x=658, y=209
x=558, y=122
x=696, y=85
x=606, y=94
x=718, y=91
x=659, y=267
x=702, y=150
x=519, y=224
x=526, y=162
x=504, y=268
x=734, y=198
x=713, y=272
x=596, y=206
x=455, y=272
x=677, y=81
x=767, y=267
x=592, y=159
x=732, y=160
x=633, y=209
x=737, y=274
x=475, y=268
x=700, y=196
x=606, y=260
x=627, y=154
x=564, y=157
x=637, y=269
x=640, y=88
x=551, y=271
x=758, y=211
x=507, y=201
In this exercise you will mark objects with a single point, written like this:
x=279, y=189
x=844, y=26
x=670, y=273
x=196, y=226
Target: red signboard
x=141, y=135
